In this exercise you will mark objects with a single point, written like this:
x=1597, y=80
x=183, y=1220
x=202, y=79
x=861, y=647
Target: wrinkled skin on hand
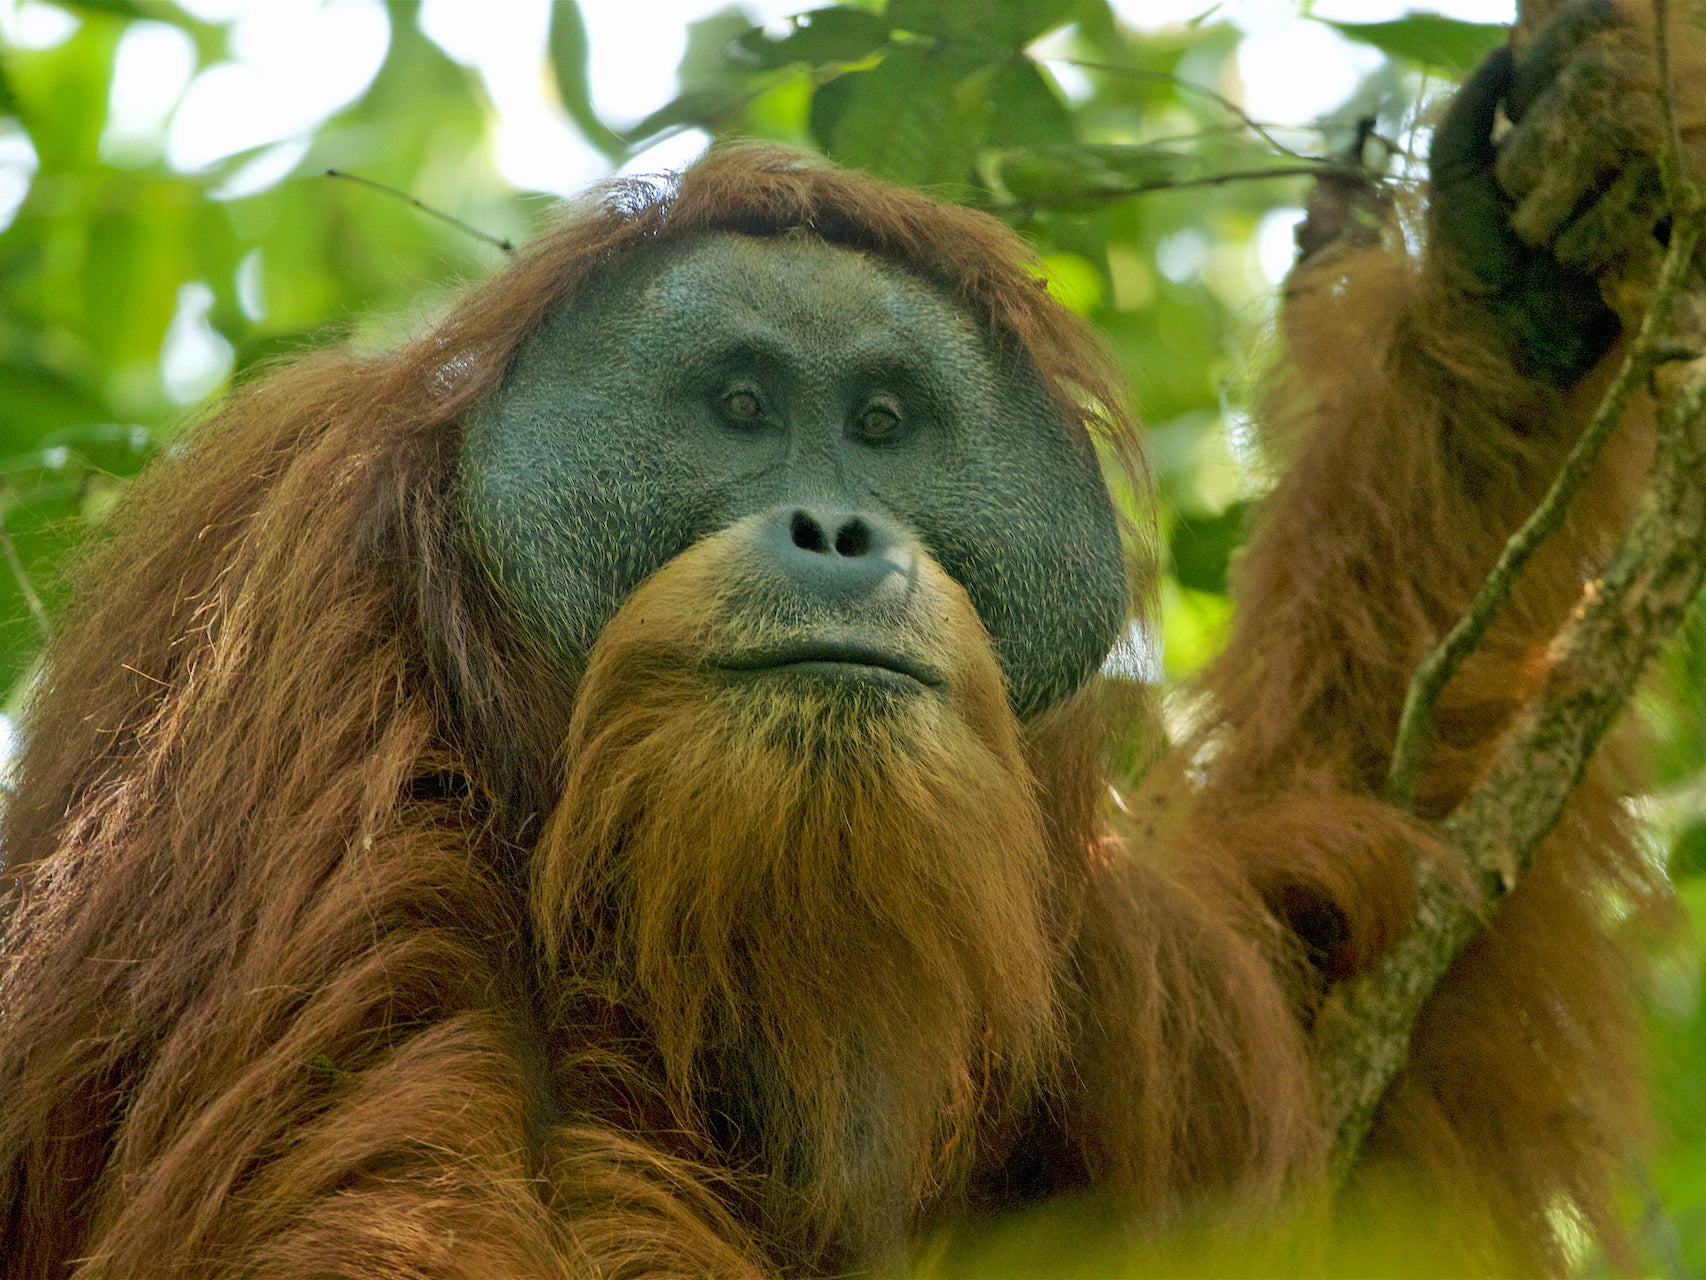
x=1578, y=161
x=1500, y=212
x=1559, y=220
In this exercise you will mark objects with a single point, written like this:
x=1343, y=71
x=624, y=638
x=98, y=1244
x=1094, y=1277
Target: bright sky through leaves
x=294, y=62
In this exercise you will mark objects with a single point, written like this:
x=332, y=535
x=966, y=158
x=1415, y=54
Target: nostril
x=807, y=533
x=829, y=554
x=853, y=538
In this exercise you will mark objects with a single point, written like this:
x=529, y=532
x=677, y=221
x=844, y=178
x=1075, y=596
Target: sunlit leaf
x=1028, y=111
x=840, y=34
x=1073, y=281
x=61, y=95
x=1446, y=43
x=1009, y=24
x=1194, y=627
x=568, y=49
x=917, y=118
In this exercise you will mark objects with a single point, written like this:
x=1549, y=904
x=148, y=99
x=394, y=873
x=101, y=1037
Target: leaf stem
x=424, y=207
x=38, y=613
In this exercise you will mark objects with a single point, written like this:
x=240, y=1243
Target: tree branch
x=1436, y=669
x=1673, y=158
x=1363, y=1042
x=1362, y=1039
x=1323, y=168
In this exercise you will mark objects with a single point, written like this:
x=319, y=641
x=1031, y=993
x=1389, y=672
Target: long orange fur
x=311, y=962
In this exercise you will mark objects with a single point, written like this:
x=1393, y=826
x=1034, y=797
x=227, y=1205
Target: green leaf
x=1010, y=24
x=1688, y=853
x=1431, y=40
x=568, y=50
x=708, y=61
x=1201, y=547
x=119, y=8
x=39, y=399
x=917, y=118
x=1074, y=281
x=700, y=108
x=829, y=104
x=820, y=36
x=61, y=95
x=8, y=99
x=1066, y=175
x=1028, y=112
x=713, y=86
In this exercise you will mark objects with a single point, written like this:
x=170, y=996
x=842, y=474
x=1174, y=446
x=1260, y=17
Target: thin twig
x=425, y=208
x=1362, y=1039
x=37, y=611
x=1364, y=1043
x=1442, y=662
x=1314, y=169
x=1673, y=160
x=1225, y=103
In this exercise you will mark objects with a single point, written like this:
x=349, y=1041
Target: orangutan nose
x=830, y=555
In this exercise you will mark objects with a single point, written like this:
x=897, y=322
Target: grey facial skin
x=725, y=376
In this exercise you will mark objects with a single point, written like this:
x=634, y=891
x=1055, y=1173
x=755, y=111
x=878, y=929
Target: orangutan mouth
x=834, y=659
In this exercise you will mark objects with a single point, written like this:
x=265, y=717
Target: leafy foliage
x=1108, y=147
x=1432, y=41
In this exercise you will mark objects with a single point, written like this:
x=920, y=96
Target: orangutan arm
x=1423, y=411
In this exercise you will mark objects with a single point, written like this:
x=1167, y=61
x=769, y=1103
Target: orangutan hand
x=1536, y=217
x=1581, y=157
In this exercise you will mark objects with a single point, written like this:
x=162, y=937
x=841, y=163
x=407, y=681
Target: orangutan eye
x=742, y=405
x=879, y=423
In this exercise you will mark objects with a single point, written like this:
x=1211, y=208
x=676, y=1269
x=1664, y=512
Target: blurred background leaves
x=166, y=222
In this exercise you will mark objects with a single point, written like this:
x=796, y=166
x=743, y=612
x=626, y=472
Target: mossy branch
x=1650, y=345
x=1362, y=1039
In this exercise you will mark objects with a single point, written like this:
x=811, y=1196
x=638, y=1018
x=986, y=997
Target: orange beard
x=824, y=901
